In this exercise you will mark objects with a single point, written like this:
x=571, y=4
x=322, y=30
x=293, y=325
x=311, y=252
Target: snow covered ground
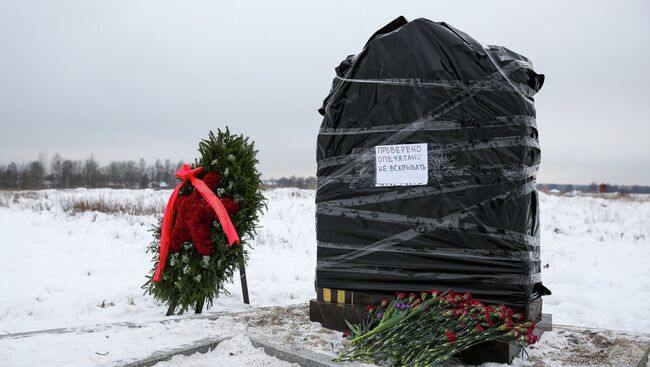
x=64, y=270
x=598, y=256
x=64, y=266
x=237, y=351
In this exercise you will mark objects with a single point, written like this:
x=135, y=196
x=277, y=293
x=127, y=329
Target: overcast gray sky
x=131, y=79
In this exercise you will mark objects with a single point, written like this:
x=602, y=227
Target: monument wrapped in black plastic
x=427, y=157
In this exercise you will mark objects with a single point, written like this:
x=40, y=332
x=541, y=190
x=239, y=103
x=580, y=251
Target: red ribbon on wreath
x=186, y=173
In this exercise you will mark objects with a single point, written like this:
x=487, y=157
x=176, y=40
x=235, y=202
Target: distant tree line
x=293, y=181
x=594, y=188
x=62, y=173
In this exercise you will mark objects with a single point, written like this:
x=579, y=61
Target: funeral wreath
x=210, y=216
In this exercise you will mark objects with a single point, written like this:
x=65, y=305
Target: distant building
x=602, y=188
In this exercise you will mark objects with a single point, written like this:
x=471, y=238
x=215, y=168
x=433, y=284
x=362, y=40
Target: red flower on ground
x=506, y=326
x=346, y=334
x=451, y=337
x=488, y=319
x=531, y=338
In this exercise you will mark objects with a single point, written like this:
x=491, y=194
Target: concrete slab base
x=301, y=356
x=200, y=346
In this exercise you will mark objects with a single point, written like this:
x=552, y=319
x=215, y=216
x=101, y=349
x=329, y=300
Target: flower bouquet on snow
x=210, y=215
x=430, y=329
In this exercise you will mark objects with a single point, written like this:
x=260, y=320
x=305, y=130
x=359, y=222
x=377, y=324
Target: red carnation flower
x=384, y=302
x=346, y=334
x=531, y=339
x=194, y=217
x=479, y=329
x=451, y=337
x=506, y=326
x=435, y=293
x=487, y=317
x=371, y=308
x=230, y=204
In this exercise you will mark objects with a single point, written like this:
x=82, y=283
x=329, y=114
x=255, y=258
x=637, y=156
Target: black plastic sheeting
x=474, y=225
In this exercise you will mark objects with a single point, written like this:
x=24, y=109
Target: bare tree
x=90, y=172
x=56, y=166
x=142, y=170
x=33, y=175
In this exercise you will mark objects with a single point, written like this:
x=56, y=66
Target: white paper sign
x=401, y=165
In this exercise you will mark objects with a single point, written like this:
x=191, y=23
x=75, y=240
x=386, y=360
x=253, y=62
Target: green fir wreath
x=190, y=279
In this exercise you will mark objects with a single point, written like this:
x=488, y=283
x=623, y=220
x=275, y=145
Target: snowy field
x=66, y=266
x=64, y=269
